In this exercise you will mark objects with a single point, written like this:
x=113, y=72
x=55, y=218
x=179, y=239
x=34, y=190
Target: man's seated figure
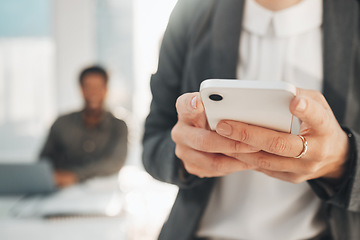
x=90, y=142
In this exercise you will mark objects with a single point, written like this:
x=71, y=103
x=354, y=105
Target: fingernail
x=193, y=102
x=301, y=105
x=224, y=129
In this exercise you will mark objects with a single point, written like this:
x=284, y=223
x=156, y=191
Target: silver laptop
x=26, y=178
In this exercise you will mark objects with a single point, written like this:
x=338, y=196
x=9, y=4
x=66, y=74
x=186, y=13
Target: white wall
x=151, y=19
x=75, y=40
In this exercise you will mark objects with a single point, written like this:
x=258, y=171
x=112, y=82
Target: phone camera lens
x=216, y=97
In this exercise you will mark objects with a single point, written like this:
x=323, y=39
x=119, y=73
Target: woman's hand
x=327, y=142
x=200, y=148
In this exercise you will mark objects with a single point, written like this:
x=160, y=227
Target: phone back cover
x=267, y=108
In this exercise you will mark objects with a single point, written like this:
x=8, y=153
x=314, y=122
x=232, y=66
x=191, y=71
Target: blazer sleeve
x=346, y=194
x=158, y=148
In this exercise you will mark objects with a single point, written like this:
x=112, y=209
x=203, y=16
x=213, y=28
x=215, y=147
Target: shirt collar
x=104, y=122
x=302, y=17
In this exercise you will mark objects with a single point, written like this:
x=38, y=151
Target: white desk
x=144, y=204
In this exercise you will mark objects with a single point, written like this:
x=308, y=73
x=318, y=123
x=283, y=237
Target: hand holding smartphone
x=261, y=103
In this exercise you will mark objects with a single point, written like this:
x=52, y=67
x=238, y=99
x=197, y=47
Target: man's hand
x=65, y=178
x=327, y=142
x=199, y=148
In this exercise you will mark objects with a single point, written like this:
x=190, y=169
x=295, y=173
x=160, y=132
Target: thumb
x=310, y=112
x=189, y=107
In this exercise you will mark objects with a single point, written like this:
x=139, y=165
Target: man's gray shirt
x=87, y=152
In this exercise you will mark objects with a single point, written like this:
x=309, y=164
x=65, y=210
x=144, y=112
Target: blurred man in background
x=88, y=143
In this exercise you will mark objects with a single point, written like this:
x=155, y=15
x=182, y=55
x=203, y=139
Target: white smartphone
x=261, y=103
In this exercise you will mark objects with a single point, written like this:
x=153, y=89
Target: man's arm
x=51, y=152
x=51, y=149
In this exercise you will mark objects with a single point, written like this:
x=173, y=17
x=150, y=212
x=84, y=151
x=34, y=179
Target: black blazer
x=202, y=41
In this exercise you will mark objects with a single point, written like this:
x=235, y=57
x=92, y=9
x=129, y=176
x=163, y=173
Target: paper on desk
x=93, y=198
x=79, y=201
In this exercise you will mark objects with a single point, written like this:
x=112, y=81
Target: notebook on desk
x=99, y=197
x=26, y=178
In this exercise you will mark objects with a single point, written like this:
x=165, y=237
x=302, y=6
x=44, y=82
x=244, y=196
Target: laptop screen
x=26, y=178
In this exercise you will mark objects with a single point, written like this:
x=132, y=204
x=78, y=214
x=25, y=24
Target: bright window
x=26, y=77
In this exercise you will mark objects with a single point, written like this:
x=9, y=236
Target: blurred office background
x=45, y=43
x=43, y=46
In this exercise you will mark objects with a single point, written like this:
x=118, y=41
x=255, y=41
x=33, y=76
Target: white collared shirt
x=274, y=46
x=282, y=46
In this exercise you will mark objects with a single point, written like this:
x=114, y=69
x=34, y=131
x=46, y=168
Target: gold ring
x=305, y=147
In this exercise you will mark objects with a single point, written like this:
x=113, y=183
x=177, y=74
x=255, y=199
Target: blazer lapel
x=226, y=36
x=340, y=27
